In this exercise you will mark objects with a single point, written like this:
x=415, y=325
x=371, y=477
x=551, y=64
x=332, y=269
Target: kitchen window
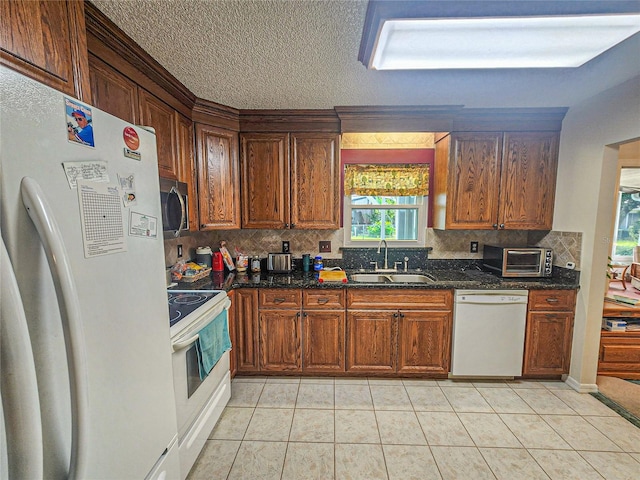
x=385, y=202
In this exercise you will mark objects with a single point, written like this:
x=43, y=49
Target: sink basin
x=368, y=278
x=410, y=278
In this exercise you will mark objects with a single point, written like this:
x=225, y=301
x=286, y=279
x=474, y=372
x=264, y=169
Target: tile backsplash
x=443, y=244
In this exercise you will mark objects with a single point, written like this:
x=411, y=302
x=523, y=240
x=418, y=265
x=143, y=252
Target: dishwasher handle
x=494, y=298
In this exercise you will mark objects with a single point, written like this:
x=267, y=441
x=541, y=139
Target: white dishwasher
x=488, y=333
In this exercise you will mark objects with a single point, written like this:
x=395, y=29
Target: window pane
x=369, y=224
x=628, y=225
x=379, y=200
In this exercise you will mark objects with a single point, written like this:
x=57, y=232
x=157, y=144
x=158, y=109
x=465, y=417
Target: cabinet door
x=424, y=342
x=186, y=167
x=528, y=185
x=315, y=181
x=247, y=345
x=323, y=341
x=547, y=344
x=280, y=341
x=47, y=41
x=264, y=160
x=157, y=114
x=233, y=362
x=218, y=180
x=371, y=340
x=474, y=180
x=113, y=92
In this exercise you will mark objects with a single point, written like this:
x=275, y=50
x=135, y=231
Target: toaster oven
x=518, y=261
x=279, y=263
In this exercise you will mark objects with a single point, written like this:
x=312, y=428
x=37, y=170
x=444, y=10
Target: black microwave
x=174, y=203
x=519, y=261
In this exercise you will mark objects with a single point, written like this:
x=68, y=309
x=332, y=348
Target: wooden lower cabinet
x=233, y=363
x=280, y=341
x=245, y=305
x=424, y=342
x=547, y=349
x=371, y=341
x=619, y=355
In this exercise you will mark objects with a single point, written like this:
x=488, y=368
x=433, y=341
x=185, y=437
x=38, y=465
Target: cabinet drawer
x=546, y=300
x=317, y=299
x=279, y=298
x=620, y=354
x=400, y=299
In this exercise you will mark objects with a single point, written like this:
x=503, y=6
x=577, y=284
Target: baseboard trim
x=581, y=387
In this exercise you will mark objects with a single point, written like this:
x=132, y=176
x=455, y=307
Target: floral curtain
x=390, y=180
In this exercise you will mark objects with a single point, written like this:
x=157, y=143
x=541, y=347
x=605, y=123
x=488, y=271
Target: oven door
x=523, y=262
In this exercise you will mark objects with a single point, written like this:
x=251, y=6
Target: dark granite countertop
x=443, y=278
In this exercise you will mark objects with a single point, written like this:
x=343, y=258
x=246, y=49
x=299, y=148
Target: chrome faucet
x=386, y=249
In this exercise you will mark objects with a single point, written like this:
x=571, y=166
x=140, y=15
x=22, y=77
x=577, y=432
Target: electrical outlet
x=324, y=246
x=285, y=247
x=179, y=251
x=474, y=247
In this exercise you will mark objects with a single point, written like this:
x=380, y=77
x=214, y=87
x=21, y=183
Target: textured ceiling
x=299, y=54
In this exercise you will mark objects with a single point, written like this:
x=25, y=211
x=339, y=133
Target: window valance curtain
x=388, y=179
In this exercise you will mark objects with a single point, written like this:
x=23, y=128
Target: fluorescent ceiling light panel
x=505, y=42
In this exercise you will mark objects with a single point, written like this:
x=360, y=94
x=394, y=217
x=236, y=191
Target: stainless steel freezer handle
x=19, y=384
x=39, y=210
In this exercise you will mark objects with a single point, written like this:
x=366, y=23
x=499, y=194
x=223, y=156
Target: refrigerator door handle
x=19, y=385
x=39, y=210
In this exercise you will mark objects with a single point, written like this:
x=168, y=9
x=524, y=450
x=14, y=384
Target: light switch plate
x=324, y=246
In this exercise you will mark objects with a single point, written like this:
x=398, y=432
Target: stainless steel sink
x=368, y=278
x=396, y=278
x=410, y=278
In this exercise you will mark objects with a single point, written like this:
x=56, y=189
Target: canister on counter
x=255, y=264
x=242, y=262
x=318, y=264
x=203, y=256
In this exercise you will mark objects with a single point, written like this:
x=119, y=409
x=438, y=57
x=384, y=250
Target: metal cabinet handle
x=502, y=225
x=495, y=225
x=286, y=225
x=552, y=300
x=395, y=315
x=293, y=225
x=278, y=300
x=322, y=301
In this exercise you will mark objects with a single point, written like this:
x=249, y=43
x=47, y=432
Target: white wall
x=587, y=173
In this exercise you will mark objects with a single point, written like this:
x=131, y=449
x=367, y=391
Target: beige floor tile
x=579, y=433
x=390, y=397
x=613, y=466
x=488, y=430
x=400, y=428
x=504, y=400
x=216, y=456
x=311, y=395
x=270, y=424
x=360, y=462
x=512, y=464
x=353, y=397
x=232, y=424
x=466, y=400
x=258, y=461
x=245, y=394
x=420, y=382
x=454, y=383
x=312, y=426
x=356, y=426
x=620, y=431
x=351, y=381
x=636, y=456
x=322, y=380
x=544, y=402
x=564, y=465
x=410, y=462
x=533, y=431
x=584, y=404
x=428, y=399
x=524, y=384
x=309, y=461
x=490, y=384
x=443, y=428
x=249, y=379
x=284, y=379
x=278, y=395
x=556, y=385
x=461, y=463
x=384, y=381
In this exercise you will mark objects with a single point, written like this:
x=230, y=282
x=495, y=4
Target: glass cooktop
x=184, y=302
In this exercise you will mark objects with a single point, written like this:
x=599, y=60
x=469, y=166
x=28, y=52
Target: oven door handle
x=184, y=343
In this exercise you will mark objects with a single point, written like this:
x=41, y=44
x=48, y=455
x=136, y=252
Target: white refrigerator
x=87, y=389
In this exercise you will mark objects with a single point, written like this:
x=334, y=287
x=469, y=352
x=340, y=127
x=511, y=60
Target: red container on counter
x=217, y=263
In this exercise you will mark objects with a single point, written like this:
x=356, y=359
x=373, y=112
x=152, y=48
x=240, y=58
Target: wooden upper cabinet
x=264, y=160
x=47, y=41
x=495, y=180
x=315, y=188
x=528, y=185
x=474, y=180
x=157, y=114
x=112, y=92
x=218, y=179
x=186, y=165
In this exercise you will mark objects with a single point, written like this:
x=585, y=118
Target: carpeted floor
x=620, y=395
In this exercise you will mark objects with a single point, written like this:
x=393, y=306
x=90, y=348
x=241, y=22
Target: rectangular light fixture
x=500, y=42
